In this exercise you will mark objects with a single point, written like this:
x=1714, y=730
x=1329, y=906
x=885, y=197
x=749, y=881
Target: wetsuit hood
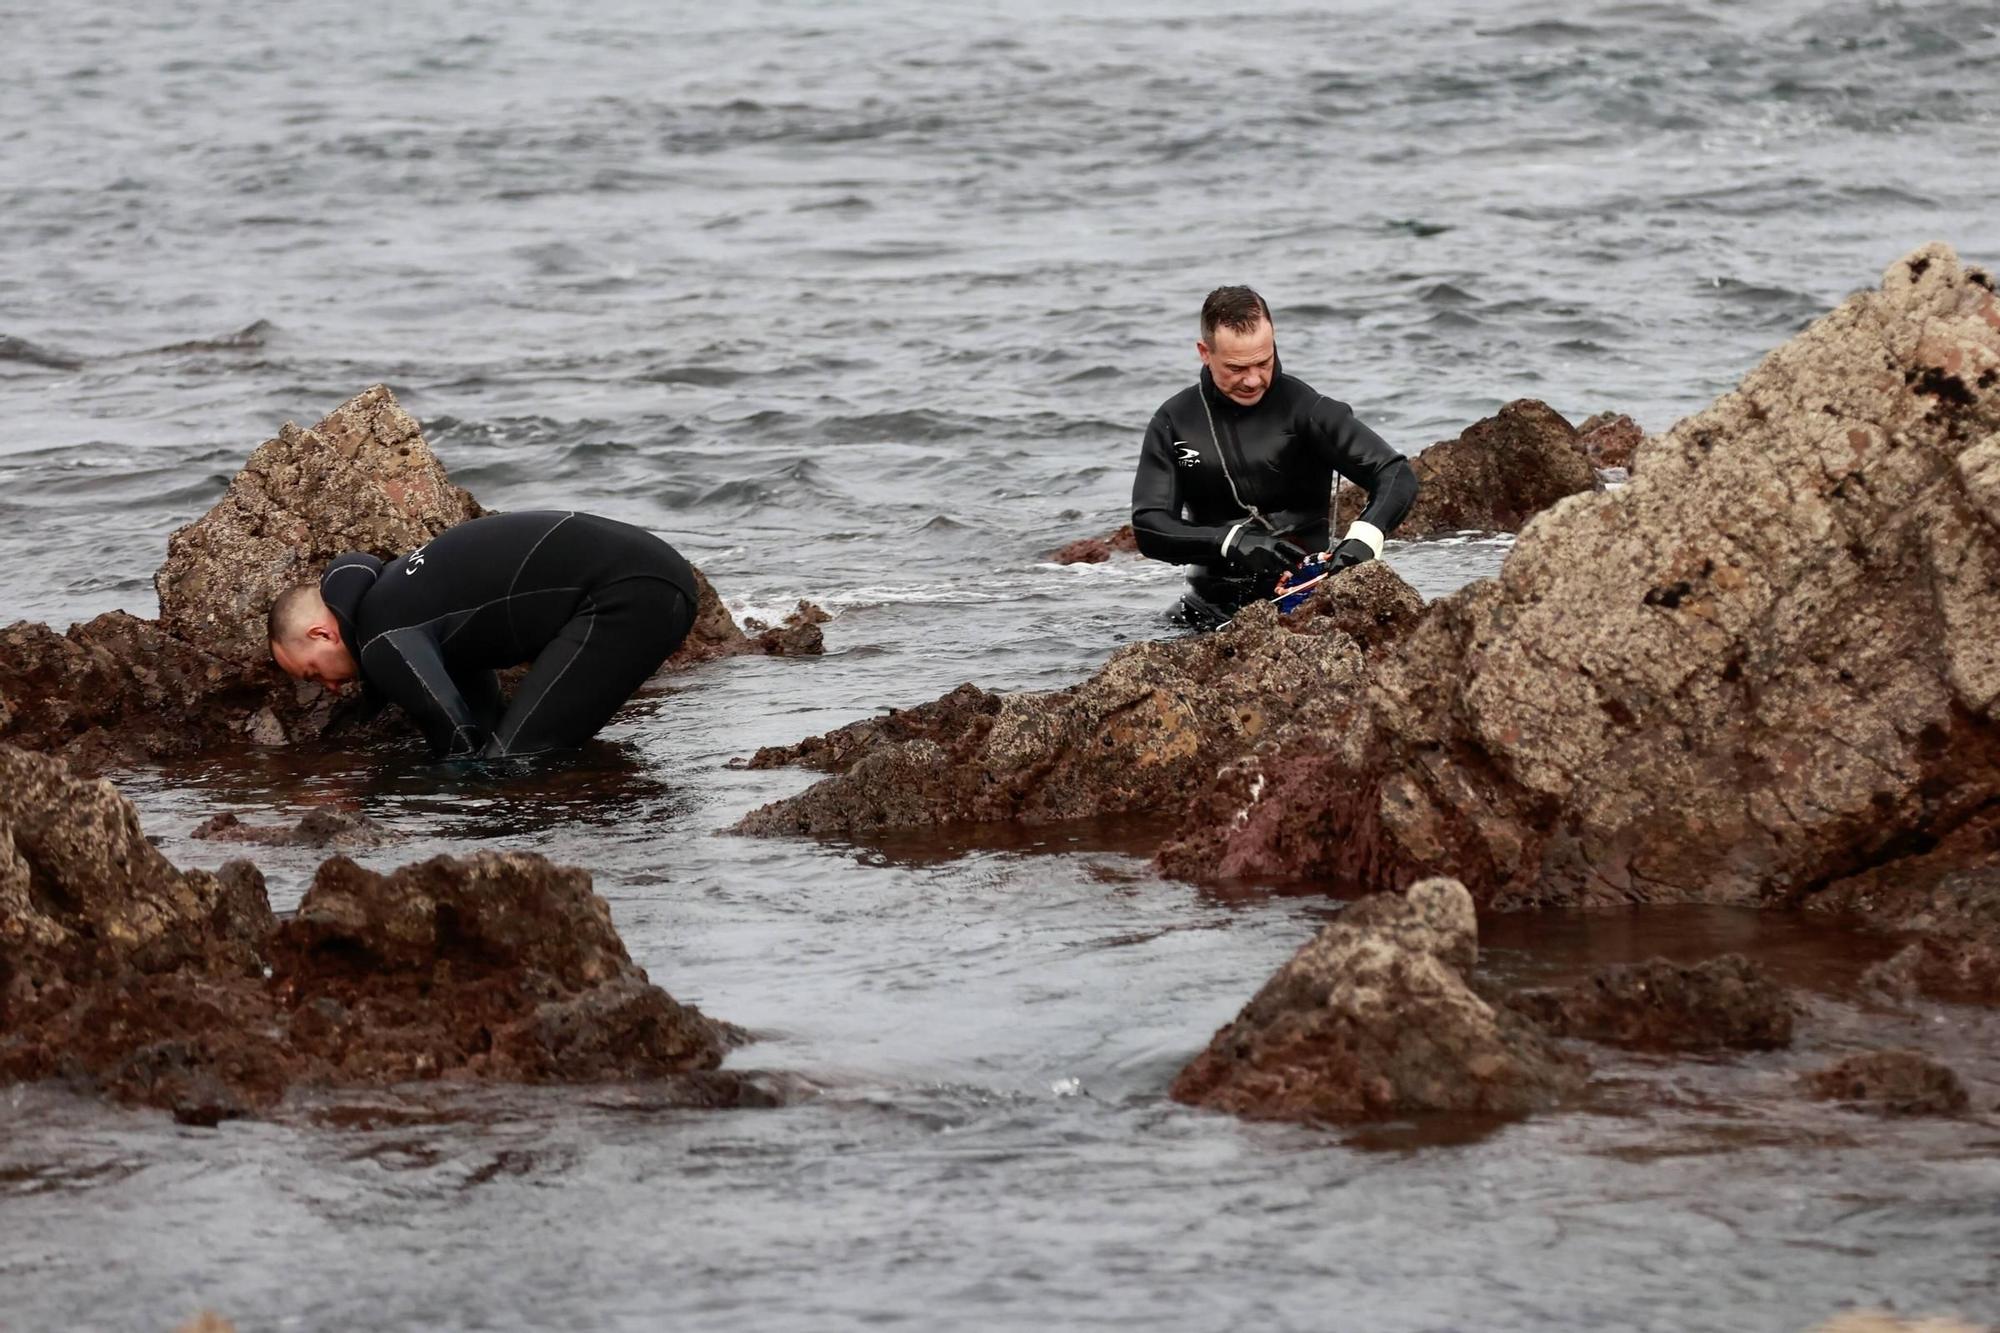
x=346, y=581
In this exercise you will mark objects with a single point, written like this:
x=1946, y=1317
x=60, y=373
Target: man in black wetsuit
x=1235, y=471
x=594, y=604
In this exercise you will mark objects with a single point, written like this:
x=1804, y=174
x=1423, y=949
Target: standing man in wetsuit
x=1235, y=473
x=596, y=606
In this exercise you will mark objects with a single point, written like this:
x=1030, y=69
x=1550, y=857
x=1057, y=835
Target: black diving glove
x=1265, y=552
x=1348, y=554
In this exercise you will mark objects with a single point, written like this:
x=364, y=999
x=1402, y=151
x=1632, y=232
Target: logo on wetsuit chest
x=414, y=560
x=1190, y=456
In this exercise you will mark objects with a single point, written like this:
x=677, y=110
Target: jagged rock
x=1141, y=734
x=83, y=893
x=361, y=480
x=1890, y=1083
x=1499, y=473
x=1770, y=661
x=1609, y=440
x=716, y=633
x=316, y=828
x=1096, y=550
x=954, y=715
x=498, y=965
x=124, y=975
x=1374, y=1018
x=1659, y=1005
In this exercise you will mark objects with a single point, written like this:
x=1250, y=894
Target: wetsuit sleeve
x=1156, y=505
x=1359, y=454
x=405, y=666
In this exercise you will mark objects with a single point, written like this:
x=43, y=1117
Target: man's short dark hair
x=1236, y=308
x=288, y=610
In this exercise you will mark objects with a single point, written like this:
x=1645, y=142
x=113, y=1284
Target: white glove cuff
x=1235, y=532
x=1362, y=532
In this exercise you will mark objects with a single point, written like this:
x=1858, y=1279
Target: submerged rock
x=1142, y=734
x=1891, y=1083
x=1096, y=550
x=1499, y=473
x=177, y=989
x=1659, y=1005
x=316, y=828
x=1375, y=1018
x=1770, y=661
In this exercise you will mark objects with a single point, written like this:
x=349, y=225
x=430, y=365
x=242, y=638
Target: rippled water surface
x=868, y=304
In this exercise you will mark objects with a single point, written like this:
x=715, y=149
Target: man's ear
x=324, y=631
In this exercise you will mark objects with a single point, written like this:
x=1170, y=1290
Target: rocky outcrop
x=178, y=989
x=1499, y=473
x=1890, y=1083
x=1375, y=1018
x=1142, y=734
x=1659, y=1005
x=1769, y=662
x=361, y=480
x=120, y=689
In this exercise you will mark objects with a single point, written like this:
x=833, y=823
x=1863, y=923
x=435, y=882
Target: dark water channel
x=868, y=304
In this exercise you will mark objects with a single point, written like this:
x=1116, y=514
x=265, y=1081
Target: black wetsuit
x=1202, y=472
x=595, y=604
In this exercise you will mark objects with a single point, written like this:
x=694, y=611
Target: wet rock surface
x=1499, y=473
x=1659, y=1005
x=121, y=689
x=1374, y=1017
x=1142, y=734
x=316, y=828
x=1891, y=1083
x=1769, y=662
x=123, y=975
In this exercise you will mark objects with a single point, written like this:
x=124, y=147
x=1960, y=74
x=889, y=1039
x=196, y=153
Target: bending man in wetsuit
x=594, y=604
x=1235, y=471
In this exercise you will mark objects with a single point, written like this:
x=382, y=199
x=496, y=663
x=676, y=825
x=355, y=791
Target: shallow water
x=869, y=305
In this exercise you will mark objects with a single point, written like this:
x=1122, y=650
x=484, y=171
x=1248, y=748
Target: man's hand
x=1348, y=554
x=1265, y=552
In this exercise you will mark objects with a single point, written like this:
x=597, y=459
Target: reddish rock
x=1769, y=662
x=1890, y=1083
x=1658, y=1005
x=361, y=480
x=177, y=989
x=1096, y=550
x=1609, y=440
x=1142, y=734
x=317, y=828
x=1499, y=473
x=1374, y=1018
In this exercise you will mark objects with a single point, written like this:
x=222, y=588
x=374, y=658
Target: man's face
x=317, y=654
x=1241, y=363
